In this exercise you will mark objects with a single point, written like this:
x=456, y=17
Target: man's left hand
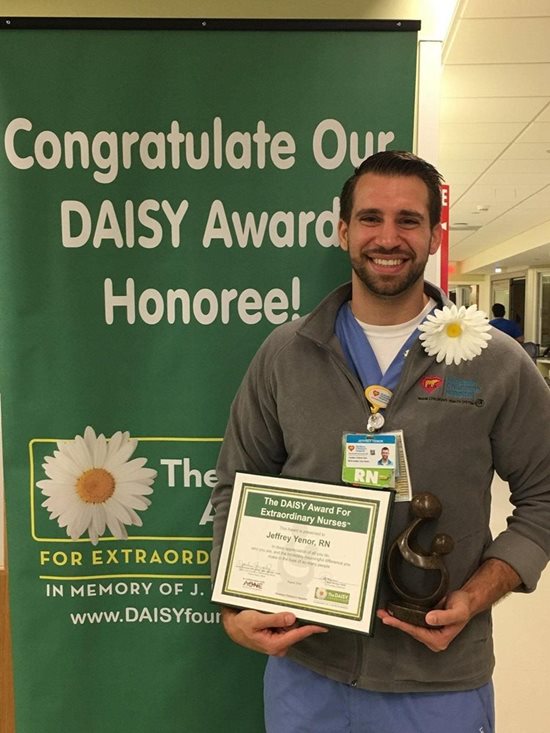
x=447, y=622
x=491, y=581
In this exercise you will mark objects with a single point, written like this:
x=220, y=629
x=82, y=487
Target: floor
x=522, y=640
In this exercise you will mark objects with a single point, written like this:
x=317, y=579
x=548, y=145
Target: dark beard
x=387, y=286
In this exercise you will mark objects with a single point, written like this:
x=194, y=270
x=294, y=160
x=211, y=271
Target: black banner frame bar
x=207, y=24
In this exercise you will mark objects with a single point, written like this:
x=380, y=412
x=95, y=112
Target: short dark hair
x=498, y=310
x=396, y=163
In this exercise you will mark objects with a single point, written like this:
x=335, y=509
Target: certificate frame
x=316, y=549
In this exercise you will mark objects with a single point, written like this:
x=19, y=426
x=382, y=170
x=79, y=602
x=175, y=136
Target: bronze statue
x=411, y=607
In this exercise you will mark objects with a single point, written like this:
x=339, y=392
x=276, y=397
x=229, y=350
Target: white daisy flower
x=455, y=334
x=92, y=485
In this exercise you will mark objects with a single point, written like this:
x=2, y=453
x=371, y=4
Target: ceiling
x=495, y=134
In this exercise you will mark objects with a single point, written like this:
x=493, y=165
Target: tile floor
x=522, y=641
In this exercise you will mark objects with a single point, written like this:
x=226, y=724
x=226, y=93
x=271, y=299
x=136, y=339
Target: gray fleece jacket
x=460, y=423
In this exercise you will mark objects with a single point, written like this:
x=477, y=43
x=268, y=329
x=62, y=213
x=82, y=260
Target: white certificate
x=313, y=548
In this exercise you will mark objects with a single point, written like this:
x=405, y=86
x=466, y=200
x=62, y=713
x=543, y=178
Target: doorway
x=511, y=293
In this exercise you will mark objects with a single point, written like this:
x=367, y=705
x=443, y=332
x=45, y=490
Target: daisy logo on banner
x=93, y=485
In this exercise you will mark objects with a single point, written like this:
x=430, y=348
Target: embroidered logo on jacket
x=464, y=389
x=452, y=389
x=430, y=384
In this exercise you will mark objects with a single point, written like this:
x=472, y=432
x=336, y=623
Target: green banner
x=166, y=199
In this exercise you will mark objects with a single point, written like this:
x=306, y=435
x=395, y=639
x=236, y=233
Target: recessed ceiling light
x=498, y=270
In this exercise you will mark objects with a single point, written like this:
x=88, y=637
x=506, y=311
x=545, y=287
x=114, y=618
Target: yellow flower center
x=95, y=486
x=454, y=330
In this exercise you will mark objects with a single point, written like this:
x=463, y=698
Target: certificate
x=313, y=548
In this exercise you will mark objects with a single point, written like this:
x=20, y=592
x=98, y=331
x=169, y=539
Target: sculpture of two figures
x=412, y=607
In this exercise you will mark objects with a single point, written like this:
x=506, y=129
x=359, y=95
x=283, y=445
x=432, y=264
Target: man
x=305, y=388
x=384, y=459
x=499, y=321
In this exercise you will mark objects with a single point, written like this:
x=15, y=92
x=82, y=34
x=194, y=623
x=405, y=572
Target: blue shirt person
x=512, y=328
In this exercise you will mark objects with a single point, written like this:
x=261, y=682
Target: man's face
x=385, y=453
x=389, y=237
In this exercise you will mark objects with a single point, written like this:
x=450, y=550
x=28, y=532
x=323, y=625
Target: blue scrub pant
x=297, y=700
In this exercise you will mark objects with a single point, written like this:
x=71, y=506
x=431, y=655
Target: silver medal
x=375, y=422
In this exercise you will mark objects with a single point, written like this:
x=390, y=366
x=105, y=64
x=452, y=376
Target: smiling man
x=383, y=355
x=384, y=459
x=389, y=236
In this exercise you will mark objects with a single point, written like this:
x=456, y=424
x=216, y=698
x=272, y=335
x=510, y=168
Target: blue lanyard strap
x=360, y=356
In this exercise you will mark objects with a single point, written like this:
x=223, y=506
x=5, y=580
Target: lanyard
x=362, y=359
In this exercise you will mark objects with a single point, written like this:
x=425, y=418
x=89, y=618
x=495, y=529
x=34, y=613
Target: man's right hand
x=269, y=633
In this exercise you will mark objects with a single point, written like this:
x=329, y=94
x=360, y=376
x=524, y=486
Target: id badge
x=377, y=460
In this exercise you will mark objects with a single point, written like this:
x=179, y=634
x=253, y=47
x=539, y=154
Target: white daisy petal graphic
x=80, y=523
x=455, y=334
x=92, y=486
x=62, y=462
x=136, y=502
x=98, y=524
x=123, y=450
x=99, y=451
x=116, y=528
x=129, y=488
x=134, y=468
x=81, y=450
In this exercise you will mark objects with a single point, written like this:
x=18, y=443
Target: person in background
x=512, y=328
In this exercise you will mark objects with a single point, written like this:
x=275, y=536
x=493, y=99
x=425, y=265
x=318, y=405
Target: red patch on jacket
x=430, y=384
